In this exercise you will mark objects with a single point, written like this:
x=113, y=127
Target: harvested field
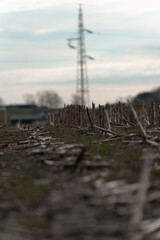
x=88, y=175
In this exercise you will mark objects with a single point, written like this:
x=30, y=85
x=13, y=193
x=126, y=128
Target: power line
x=104, y=50
x=39, y=34
x=127, y=35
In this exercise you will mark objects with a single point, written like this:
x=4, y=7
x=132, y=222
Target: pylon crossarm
x=70, y=40
x=89, y=57
x=88, y=31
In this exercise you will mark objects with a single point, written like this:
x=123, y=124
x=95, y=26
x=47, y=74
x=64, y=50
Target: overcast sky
x=34, y=54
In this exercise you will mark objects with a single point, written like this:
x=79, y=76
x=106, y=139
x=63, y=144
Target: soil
x=65, y=184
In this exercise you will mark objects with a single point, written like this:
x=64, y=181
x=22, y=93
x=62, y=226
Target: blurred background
x=35, y=57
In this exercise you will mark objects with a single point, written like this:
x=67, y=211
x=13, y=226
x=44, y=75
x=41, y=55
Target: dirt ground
x=65, y=184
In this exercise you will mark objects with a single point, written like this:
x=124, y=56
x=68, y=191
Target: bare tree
x=49, y=98
x=1, y=101
x=29, y=99
x=76, y=100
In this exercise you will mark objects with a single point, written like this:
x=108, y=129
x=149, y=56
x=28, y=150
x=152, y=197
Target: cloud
x=36, y=76
x=124, y=70
x=7, y=6
x=122, y=7
x=120, y=67
x=108, y=81
x=44, y=31
x=126, y=43
x=110, y=6
x=127, y=66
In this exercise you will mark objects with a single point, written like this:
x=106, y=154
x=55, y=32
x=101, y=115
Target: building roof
x=20, y=106
x=26, y=117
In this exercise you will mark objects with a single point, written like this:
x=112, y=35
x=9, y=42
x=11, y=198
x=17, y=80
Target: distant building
x=22, y=106
x=28, y=119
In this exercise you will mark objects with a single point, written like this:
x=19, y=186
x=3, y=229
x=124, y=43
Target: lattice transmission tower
x=82, y=86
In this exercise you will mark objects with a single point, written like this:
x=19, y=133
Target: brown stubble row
x=108, y=116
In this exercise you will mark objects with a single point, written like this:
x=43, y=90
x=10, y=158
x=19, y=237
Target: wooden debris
x=2, y=126
x=138, y=212
x=141, y=129
x=78, y=163
x=91, y=123
x=105, y=130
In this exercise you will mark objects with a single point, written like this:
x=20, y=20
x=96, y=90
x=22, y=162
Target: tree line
x=149, y=97
x=45, y=98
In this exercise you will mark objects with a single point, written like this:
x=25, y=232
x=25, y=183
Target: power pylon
x=82, y=88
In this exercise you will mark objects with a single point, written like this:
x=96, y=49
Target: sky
x=34, y=54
